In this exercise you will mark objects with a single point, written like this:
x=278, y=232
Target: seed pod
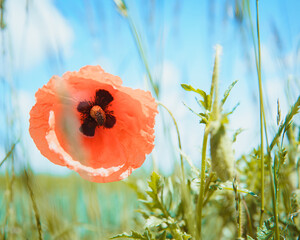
x=222, y=157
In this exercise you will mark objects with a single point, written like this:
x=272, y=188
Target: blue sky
x=53, y=37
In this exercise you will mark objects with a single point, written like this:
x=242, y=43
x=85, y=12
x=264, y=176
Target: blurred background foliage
x=138, y=36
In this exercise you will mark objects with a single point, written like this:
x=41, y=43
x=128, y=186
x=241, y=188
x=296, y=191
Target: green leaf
x=148, y=234
x=266, y=231
x=190, y=88
x=204, y=121
x=152, y=194
x=154, y=183
x=162, y=236
x=249, y=238
x=153, y=221
x=151, y=204
x=144, y=213
x=228, y=186
x=133, y=235
x=187, y=87
x=138, y=190
x=237, y=132
x=203, y=116
x=226, y=94
x=186, y=236
x=204, y=104
x=227, y=114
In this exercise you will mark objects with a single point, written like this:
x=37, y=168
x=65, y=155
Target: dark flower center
x=95, y=114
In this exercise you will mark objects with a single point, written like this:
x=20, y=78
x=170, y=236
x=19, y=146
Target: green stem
x=239, y=217
x=35, y=208
x=142, y=54
x=275, y=209
x=238, y=208
x=202, y=184
x=173, y=227
x=185, y=196
x=274, y=202
x=9, y=153
x=178, y=137
x=162, y=208
x=248, y=217
x=2, y=24
x=261, y=108
x=214, y=116
x=274, y=184
x=298, y=173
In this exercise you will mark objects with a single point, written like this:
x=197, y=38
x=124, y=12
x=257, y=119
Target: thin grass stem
x=239, y=217
x=261, y=111
x=9, y=153
x=123, y=10
x=262, y=114
x=274, y=201
x=35, y=208
x=178, y=137
x=250, y=228
x=142, y=55
x=258, y=68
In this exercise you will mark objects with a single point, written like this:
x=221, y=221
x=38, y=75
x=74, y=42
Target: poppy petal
x=95, y=73
x=84, y=107
x=39, y=116
x=87, y=172
x=110, y=121
x=88, y=127
x=137, y=123
x=103, y=98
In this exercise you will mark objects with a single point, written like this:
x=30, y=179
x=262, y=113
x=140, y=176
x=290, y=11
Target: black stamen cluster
x=103, y=98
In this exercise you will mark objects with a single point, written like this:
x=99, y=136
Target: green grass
x=69, y=208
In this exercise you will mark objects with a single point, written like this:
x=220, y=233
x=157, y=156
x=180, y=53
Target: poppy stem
x=178, y=136
x=185, y=196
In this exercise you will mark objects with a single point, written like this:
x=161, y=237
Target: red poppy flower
x=91, y=124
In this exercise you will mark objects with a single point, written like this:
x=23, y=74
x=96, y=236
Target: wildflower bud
x=222, y=157
x=121, y=7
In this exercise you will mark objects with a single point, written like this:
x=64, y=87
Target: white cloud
x=32, y=35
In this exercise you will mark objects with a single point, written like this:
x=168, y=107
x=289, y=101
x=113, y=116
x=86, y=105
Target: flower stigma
x=98, y=114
